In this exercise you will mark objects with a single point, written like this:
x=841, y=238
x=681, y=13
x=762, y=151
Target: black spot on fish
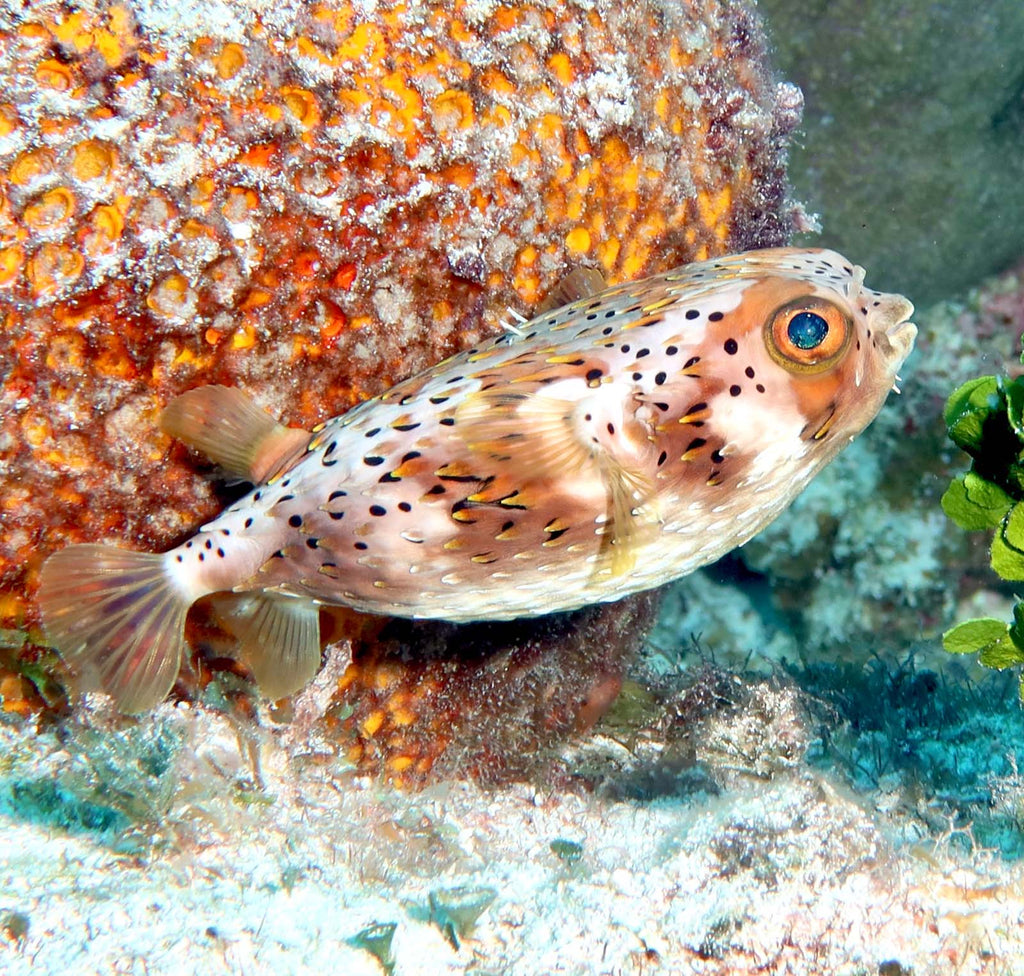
x=735, y=390
x=248, y=523
x=692, y=313
x=202, y=557
x=404, y=507
x=209, y=544
x=749, y=371
x=437, y=490
x=692, y=361
x=336, y=494
x=180, y=559
x=295, y=521
x=220, y=552
x=336, y=515
x=505, y=526
x=731, y=346
x=448, y=421
x=373, y=460
x=717, y=457
x=660, y=378
x=671, y=350
x=593, y=375
x=626, y=347
x=436, y=400
x=370, y=433
x=312, y=543
x=378, y=510
x=642, y=353
x=759, y=388
x=716, y=317
x=662, y=458
x=636, y=376
x=361, y=546
x=611, y=428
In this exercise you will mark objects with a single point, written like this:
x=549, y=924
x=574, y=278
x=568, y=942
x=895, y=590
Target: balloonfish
x=602, y=448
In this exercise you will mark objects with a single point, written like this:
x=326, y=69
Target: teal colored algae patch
x=90, y=778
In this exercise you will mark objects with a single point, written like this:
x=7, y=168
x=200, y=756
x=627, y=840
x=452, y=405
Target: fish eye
x=807, y=330
x=808, y=335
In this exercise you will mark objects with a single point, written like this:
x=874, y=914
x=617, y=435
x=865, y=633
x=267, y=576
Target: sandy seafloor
x=156, y=850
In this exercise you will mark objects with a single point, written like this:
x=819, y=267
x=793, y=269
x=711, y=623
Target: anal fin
x=279, y=639
x=226, y=426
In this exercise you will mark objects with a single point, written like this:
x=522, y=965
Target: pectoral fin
x=226, y=426
x=546, y=437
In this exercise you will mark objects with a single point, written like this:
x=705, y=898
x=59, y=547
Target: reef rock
x=311, y=201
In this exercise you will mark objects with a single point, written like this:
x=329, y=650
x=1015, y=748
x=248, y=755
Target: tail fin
x=118, y=620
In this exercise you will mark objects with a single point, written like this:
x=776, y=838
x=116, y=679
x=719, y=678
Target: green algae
x=985, y=419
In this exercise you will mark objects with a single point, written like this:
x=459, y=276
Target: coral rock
x=311, y=202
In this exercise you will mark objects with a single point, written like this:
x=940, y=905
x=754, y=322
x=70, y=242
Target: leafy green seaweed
x=985, y=418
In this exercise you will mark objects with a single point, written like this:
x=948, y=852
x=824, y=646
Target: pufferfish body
x=602, y=448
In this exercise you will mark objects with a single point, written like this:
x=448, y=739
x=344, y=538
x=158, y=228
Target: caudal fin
x=118, y=620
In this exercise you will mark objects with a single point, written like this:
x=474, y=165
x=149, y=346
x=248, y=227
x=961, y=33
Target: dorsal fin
x=551, y=438
x=578, y=283
x=226, y=426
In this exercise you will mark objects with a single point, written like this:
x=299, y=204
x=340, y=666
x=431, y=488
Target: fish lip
x=893, y=316
x=901, y=337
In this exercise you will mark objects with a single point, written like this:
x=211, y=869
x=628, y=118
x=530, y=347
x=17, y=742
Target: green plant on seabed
x=985, y=418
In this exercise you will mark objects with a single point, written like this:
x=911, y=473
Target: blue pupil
x=807, y=330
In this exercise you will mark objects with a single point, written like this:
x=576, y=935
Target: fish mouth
x=892, y=317
x=901, y=338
